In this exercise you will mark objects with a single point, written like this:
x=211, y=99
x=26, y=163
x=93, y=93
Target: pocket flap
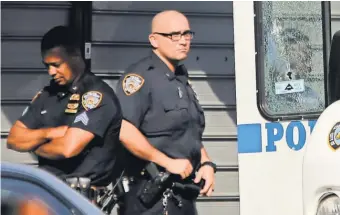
x=174, y=105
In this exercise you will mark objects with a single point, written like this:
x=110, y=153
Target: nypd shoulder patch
x=334, y=137
x=132, y=83
x=91, y=99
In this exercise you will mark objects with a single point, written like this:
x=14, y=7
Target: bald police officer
x=73, y=124
x=163, y=121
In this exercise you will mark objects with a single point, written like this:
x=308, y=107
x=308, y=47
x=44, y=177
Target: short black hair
x=61, y=36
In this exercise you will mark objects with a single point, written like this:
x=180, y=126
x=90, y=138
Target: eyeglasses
x=176, y=36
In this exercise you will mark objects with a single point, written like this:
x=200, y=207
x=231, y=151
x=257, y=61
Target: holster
x=151, y=191
x=113, y=196
x=189, y=190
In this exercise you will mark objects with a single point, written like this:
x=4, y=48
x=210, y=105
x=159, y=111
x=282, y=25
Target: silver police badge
x=334, y=137
x=132, y=83
x=91, y=99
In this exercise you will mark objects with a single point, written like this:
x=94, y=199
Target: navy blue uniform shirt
x=164, y=107
x=89, y=104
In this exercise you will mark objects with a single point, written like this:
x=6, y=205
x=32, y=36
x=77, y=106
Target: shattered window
x=292, y=58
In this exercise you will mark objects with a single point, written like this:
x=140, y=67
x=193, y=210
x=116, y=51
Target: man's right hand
x=57, y=132
x=180, y=167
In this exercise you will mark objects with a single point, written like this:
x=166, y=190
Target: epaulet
x=140, y=67
x=37, y=95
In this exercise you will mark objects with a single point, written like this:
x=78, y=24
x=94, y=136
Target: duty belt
x=83, y=186
x=103, y=197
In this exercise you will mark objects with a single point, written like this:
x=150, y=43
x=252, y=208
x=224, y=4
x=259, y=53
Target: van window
x=290, y=58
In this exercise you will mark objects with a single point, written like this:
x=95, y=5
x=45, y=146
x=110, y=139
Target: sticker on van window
x=292, y=86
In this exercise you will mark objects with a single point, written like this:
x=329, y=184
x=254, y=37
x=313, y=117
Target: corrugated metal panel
x=201, y=7
x=224, y=152
x=32, y=19
x=113, y=57
x=9, y=155
x=117, y=29
x=21, y=52
x=219, y=207
x=23, y=85
x=120, y=37
x=10, y=113
x=22, y=26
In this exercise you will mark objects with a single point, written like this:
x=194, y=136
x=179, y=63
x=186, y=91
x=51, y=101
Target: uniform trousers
x=133, y=206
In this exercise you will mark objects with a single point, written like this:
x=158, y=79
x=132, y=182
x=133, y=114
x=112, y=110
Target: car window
x=16, y=190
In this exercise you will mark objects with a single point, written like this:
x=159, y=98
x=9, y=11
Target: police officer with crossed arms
x=73, y=124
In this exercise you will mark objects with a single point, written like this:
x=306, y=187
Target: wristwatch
x=209, y=163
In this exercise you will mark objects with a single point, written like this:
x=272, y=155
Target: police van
x=265, y=74
x=288, y=158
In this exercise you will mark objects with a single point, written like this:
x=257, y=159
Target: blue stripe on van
x=249, y=138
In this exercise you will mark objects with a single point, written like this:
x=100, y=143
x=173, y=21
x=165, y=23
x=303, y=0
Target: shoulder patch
x=36, y=96
x=91, y=99
x=132, y=83
x=334, y=137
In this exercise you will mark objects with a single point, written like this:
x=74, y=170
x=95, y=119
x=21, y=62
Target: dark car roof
x=32, y=173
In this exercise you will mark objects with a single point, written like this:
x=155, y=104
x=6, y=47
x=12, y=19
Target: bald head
x=170, y=37
x=166, y=20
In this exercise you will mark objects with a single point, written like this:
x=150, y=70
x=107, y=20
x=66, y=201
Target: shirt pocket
x=54, y=116
x=176, y=114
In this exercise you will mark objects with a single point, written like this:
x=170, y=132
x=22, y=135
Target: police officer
x=73, y=124
x=163, y=121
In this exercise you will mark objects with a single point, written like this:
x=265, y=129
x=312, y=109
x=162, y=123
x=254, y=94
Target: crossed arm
x=53, y=143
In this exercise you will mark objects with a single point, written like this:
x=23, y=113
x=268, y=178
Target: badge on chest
x=73, y=104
